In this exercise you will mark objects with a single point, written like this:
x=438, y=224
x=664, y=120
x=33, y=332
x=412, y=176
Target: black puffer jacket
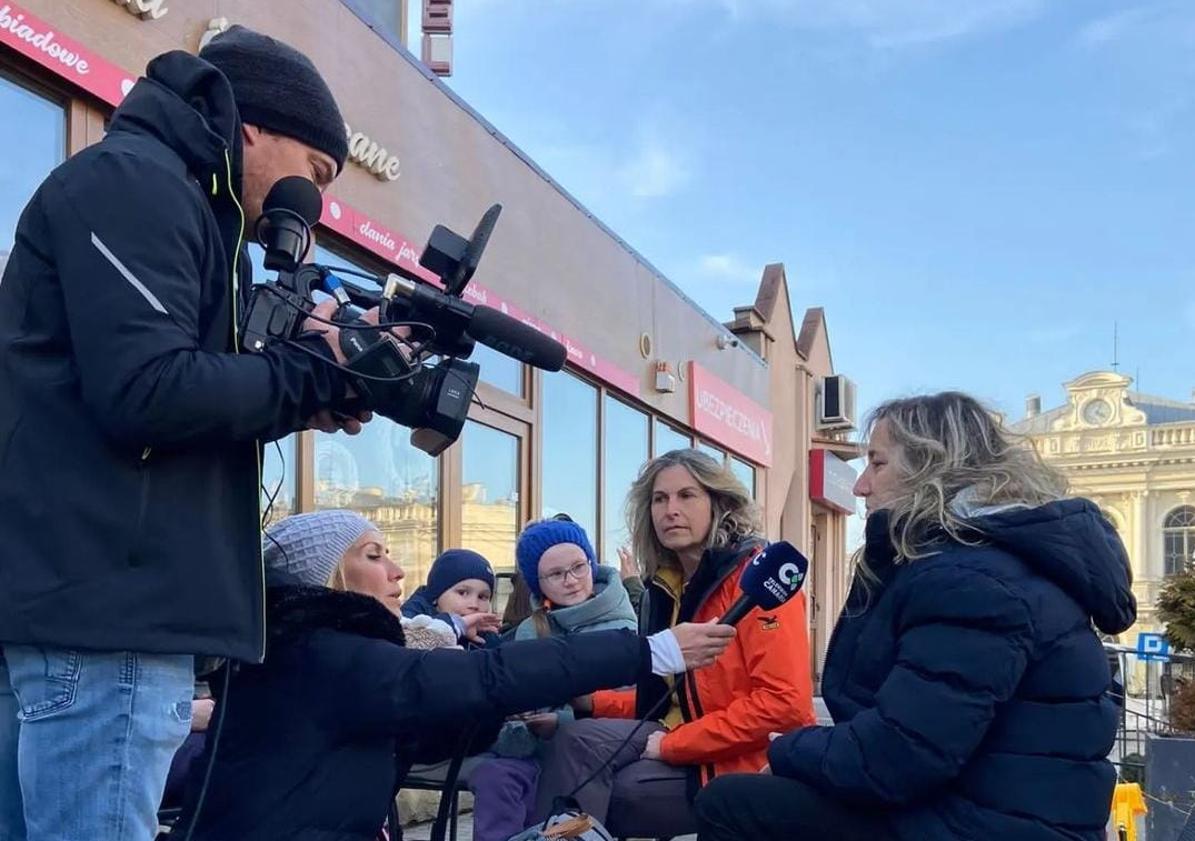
x=317, y=738
x=970, y=692
x=128, y=425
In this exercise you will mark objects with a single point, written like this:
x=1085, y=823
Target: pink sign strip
x=729, y=417
x=369, y=234
x=578, y=355
x=32, y=37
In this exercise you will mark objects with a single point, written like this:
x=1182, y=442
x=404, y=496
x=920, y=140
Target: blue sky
x=975, y=190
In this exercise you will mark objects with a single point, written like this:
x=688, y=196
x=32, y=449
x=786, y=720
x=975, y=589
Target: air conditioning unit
x=836, y=404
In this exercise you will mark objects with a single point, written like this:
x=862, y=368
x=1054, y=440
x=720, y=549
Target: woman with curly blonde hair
x=968, y=687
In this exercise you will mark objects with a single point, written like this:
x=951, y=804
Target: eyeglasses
x=580, y=571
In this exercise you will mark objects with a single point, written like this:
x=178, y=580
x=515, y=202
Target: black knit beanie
x=277, y=88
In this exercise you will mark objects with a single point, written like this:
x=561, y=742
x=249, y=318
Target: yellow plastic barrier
x=1127, y=804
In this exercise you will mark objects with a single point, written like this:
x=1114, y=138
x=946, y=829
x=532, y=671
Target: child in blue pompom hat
x=459, y=591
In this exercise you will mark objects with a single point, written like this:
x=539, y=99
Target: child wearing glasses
x=571, y=594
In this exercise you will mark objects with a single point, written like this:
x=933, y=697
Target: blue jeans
x=86, y=740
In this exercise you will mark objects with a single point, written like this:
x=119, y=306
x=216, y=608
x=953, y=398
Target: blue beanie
x=538, y=538
x=454, y=566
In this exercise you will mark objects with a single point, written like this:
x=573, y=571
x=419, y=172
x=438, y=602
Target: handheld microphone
x=291, y=207
x=773, y=577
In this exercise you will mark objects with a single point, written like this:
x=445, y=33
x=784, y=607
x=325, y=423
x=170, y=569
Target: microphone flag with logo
x=773, y=577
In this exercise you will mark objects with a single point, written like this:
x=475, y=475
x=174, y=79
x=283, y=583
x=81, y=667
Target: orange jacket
x=761, y=684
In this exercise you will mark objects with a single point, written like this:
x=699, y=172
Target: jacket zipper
x=690, y=700
x=236, y=348
x=142, y=502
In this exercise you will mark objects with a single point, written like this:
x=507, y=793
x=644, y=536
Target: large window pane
x=33, y=140
x=745, y=474
x=570, y=450
x=624, y=451
x=278, y=480
x=499, y=370
x=668, y=439
x=383, y=477
x=490, y=493
x=712, y=451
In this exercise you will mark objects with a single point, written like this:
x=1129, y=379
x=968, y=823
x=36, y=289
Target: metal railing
x=1144, y=714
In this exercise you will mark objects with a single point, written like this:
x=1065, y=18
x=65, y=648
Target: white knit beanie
x=310, y=546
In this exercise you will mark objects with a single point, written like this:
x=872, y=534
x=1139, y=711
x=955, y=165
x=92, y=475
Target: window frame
x=1184, y=531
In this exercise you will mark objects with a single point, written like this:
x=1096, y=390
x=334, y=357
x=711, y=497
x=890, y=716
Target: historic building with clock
x=1134, y=455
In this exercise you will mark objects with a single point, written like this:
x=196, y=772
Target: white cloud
x=880, y=23
x=656, y=168
x=1153, y=126
x=1110, y=28
x=888, y=23
x=1151, y=48
x=729, y=267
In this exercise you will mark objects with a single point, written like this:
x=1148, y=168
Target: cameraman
x=129, y=428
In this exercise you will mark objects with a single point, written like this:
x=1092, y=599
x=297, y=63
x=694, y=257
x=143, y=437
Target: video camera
x=421, y=381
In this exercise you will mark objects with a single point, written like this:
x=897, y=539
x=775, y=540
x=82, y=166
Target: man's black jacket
x=129, y=428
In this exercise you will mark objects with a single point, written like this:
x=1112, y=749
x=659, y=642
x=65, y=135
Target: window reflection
x=382, y=476
x=668, y=439
x=745, y=473
x=378, y=473
x=33, y=137
x=499, y=370
x=712, y=451
x=624, y=452
x=490, y=493
x=570, y=450
x=278, y=480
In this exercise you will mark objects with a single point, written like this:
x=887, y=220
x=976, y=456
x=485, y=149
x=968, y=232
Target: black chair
x=450, y=789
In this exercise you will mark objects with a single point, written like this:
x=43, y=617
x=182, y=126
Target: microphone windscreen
x=517, y=340
x=298, y=195
x=775, y=575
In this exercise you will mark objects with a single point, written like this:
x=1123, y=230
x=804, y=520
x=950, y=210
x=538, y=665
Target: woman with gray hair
x=968, y=687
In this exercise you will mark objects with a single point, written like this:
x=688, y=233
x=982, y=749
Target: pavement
x=422, y=832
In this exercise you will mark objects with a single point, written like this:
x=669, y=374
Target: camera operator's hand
x=326, y=420
x=702, y=643
x=326, y=309
x=201, y=714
